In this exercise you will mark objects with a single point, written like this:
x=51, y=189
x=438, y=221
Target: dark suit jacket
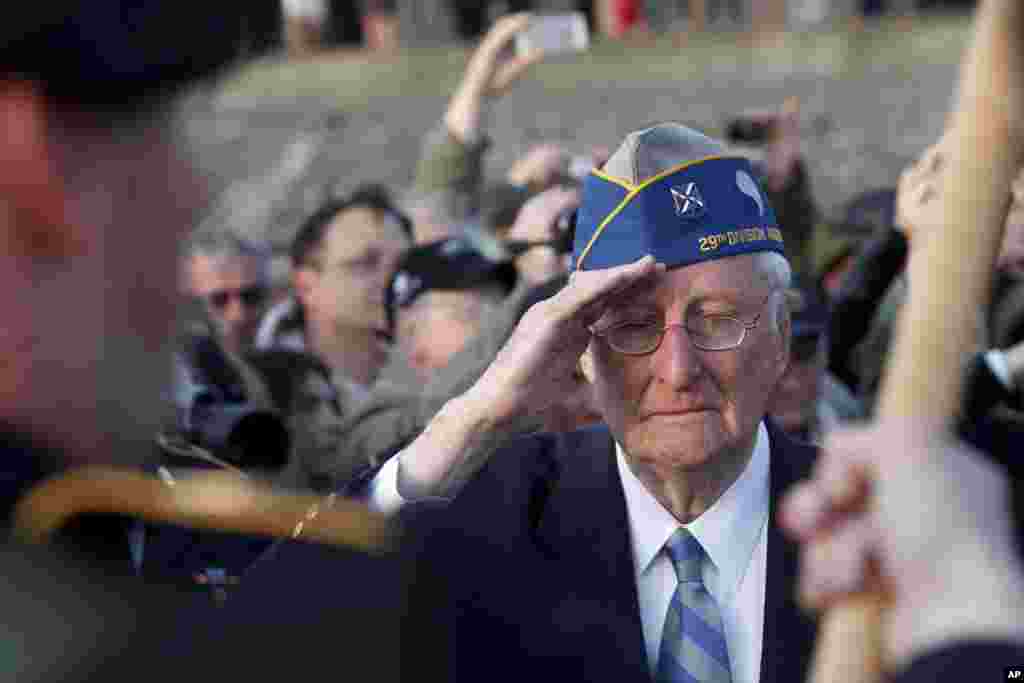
x=977, y=660
x=531, y=568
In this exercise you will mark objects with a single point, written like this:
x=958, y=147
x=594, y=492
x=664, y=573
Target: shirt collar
x=728, y=530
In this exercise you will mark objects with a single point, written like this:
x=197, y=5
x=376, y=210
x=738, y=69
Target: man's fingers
x=504, y=29
x=804, y=510
x=511, y=72
x=836, y=565
x=588, y=287
x=846, y=466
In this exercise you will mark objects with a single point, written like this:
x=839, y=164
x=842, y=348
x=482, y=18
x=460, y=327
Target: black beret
x=117, y=54
x=452, y=264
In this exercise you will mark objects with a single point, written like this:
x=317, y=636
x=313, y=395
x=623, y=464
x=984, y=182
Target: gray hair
x=777, y=273
x=221, y=245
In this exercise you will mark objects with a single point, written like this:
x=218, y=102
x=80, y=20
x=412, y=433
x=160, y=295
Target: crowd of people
x=623, y=406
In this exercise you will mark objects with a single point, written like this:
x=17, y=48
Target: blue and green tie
x=693, y=648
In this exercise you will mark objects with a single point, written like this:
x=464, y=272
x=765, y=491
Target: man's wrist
x=450, y=450
x=468, y=114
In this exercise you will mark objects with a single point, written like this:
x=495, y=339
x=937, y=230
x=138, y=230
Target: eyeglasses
x=250, y=297
x=706, y=332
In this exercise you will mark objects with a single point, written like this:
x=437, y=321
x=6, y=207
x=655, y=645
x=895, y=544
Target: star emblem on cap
x=688, y=200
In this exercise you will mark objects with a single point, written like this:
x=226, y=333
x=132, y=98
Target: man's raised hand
x=536, y=368
x=532, y=376
x=490, y=72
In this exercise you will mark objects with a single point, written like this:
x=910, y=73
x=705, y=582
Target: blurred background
x=350, y=89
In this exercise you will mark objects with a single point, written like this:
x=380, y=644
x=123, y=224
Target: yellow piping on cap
x=634, y=190
x=621, y=182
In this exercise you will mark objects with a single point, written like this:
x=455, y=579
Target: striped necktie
x=693, y=648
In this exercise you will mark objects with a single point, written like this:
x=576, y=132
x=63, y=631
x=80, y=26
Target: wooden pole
x=949, y=279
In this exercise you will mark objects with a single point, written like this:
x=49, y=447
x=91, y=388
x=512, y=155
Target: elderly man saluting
x=645, y=546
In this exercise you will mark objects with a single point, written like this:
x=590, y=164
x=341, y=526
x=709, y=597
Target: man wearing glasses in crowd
x=649, y=541
x=231, y=276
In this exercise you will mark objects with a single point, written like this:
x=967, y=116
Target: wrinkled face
x=315, y=419
x=438, y=325
x=796, y=402
x=234, y=291
x=360, y=252
x=680, y=408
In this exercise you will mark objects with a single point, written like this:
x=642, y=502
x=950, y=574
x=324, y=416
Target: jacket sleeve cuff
x=448, y=163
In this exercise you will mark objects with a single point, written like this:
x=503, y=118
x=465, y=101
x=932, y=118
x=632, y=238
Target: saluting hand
x=537, y=367
x=531, y=377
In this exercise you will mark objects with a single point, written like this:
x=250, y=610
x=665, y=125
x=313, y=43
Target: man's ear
x=586, y=365
x=33, y=198
x=303, y=279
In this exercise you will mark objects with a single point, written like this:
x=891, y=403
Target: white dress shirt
x=733, y=533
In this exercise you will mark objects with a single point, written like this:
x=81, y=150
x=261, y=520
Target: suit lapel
x=584, y=529
x=788, y=631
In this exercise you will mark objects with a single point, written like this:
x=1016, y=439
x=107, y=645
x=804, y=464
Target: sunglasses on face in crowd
x=805, y=346
x=250, y=297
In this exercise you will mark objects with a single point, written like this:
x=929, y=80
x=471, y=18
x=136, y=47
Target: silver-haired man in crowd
x=231, y=276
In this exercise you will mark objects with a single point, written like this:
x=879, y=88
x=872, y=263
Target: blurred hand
x=925, y=515
x=542, y=166
x=783, y=150
x=918, y=198
x=536, y=222
x=490, y=72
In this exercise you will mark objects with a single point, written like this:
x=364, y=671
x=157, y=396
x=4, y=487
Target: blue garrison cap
x=676, y=194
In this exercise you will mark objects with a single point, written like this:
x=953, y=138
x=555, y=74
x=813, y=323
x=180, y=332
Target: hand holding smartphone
x=554, y=34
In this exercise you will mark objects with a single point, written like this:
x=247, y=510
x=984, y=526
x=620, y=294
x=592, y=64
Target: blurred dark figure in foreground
x=93, y=175
x=97, y=187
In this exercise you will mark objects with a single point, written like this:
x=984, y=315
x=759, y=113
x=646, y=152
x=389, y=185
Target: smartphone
x=554, y=33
